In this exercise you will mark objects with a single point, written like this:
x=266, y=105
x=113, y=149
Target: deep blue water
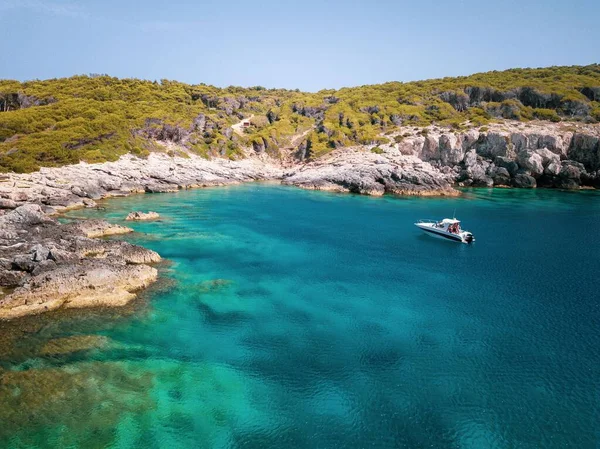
x=295, y=319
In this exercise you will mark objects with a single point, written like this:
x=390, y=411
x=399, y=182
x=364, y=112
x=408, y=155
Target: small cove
x=290, y=318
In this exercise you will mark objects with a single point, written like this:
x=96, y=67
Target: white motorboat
x=448, y=228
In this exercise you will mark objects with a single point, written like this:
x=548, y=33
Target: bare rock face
x=100, y=228
x=476, y=171
x=532, y=162
x=48, y=265
x=6, y=203
x=586, y=150
x=534, y=149
x=524, y=181
x=431, y=149
x=133, y=254
x=359, y=171
x=27, y=215
x=494, y=144
x=511, y=166
x=141, y=216
x=514, y=143
x=570, y=174
x=500, y=176
x=90, y=284
x=78, y=186
x=548, y=157
x=452, y=149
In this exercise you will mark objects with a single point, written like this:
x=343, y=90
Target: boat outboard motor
x=469, y=238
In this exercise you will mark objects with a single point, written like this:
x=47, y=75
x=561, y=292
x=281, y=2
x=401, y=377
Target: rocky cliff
x=511, y=153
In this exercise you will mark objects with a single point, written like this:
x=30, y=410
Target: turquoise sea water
x=294, y=319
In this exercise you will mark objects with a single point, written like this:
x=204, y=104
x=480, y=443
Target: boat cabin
x=449, y=225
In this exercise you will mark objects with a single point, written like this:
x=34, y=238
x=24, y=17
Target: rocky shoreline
x=416, y=161
x=359, y=170
x=45, y=265
x=516, y=154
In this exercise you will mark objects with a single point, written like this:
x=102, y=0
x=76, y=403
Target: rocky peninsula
x=45, y=265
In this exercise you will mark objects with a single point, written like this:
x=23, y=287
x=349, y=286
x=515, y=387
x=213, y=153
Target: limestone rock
x=511, y=166
x=548, y=157
x=431, y=149
x=531, y=162
x=77, y=287
x=451, y=149
x=28, y=215
x=134, y=254
x=501, y=176
x=569, y=176
x=72, y=344
x=140, y=216
x=359, y=171
x=6, y=203
x=586, y=150
x=101, y=228
x=524, y=181
x=552, y=169
x=40, y=253
x=492, y=145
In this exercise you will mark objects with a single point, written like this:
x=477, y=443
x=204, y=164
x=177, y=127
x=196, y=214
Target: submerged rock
x=139, y=216
x=75, y=343
x=88, y=398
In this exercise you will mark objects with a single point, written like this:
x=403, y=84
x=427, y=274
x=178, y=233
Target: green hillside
x=99, y=118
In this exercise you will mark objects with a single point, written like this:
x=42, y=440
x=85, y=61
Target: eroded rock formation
x=142, y=216
x=45, y=265
x=565, y=156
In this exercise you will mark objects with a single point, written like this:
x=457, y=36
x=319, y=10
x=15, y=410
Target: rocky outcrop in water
x=142, y=216
x=361, y=171
x=45, y=265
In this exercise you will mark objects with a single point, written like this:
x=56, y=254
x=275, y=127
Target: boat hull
x=429, y=229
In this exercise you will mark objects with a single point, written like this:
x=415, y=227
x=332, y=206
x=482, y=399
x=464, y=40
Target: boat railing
x=428, y=220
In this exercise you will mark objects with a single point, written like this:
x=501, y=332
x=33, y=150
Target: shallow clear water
x=288, y=318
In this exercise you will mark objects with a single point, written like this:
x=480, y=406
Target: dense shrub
x=546, y=114
x=98, y=118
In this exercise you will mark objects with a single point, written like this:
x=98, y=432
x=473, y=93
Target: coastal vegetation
x=95, y=118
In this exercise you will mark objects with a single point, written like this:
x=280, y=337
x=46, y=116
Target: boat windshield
x=452, y=226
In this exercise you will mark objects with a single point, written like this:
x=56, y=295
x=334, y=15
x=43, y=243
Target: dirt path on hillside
x=238, y=127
